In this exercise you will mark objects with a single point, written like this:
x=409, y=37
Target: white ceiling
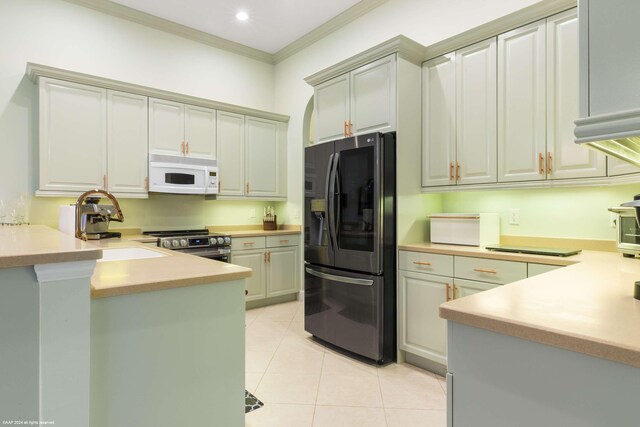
x=272, y=24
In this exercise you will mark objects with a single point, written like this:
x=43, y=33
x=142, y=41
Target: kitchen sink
x=122, y=254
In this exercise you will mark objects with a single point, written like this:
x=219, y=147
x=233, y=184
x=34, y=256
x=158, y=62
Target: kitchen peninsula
x=146, y=342
x=557, y=349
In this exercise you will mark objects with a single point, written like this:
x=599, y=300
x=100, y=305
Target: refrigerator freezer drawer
x=345, y=309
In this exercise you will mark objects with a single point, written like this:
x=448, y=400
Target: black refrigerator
x=350, y=244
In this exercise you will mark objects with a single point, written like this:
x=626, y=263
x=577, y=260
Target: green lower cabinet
x=463, y=288
x=255, y=260
x=421, y=331
x=276, y=269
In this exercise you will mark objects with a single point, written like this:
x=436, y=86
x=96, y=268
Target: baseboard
x=426, y=364
x=270, y=301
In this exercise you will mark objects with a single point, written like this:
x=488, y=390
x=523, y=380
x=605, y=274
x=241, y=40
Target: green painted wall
x=165, y=211
x=566, y=212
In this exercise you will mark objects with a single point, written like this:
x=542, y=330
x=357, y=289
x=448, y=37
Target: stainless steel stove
x=198, y=242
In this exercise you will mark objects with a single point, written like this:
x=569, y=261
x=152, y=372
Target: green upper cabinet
x=265, y=157
x=566, y=159
x=459, y=117
x=252, y=156
x=538, y=103
x=537, y=87
x=439, y=121
x=521, y=104
x=181, y=130
x=358, y=102
x=91, y=137
x=476, y=113
x=127, y=143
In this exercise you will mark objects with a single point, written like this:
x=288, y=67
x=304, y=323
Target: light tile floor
x=304, y=384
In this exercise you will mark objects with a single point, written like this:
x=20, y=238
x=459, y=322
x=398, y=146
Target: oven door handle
x=341, y=279
x=220, y=253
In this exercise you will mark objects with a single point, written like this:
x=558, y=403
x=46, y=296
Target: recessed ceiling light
x=242, y=16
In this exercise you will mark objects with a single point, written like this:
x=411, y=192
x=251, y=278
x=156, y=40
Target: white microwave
x=182, y=175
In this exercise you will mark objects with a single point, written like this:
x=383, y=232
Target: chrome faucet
x=81, y=220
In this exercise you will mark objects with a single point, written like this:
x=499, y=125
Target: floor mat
x=251, y=403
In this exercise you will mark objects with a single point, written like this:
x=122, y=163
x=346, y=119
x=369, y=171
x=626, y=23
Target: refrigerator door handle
x=333, y=277
x=331, y=194
x=338, y=207
x=327, y=194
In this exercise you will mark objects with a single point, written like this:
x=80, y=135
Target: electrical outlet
x=296, y=214
x=252, y=213
x=514, y=216
x=613, y=218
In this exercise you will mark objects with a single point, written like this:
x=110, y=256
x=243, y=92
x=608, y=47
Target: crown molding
x=34, y=71
x=498, y=26
x=133, y=15
x=403, y=46
x=139, y=17
x=354, y=12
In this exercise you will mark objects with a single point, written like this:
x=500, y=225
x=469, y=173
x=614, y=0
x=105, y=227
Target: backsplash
x=553, y=212
x=165, y=211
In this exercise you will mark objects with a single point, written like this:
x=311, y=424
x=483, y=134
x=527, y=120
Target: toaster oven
x=627, y=231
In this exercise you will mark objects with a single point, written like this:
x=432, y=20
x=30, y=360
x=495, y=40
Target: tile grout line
x=384, y=409
x=315, y=406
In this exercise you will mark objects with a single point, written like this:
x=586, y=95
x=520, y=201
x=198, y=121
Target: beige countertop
x=37, y=244
x=112, y=278
x=258, y=233
x=587, y=307
x=479, y=252
x=233, y=231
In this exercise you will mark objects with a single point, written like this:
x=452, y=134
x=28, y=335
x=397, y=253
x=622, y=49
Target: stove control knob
x=213, y=240
x=175, y=243
x=166, y=244
x=183, y=243
x=220, y=241
x=227, y=240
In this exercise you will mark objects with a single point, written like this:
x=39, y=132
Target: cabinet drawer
x=240, y=243
x=283, y=240
x=426, y=263
x=489, y=270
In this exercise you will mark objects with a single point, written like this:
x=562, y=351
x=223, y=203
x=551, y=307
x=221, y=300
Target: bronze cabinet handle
x=268, y=256
x=350, y=129
x=455, y=291
x=448, y=292
x=457, y=171
x=146, y=183
x=344, y=128
x=264, y=257
x=104, y=181
x=484, y=270
x=187, y=148
x=284, y=241
x=249, y=243
x=421, y=263
x=247, y=188
x=182, y=147
x=540, y=163
x=549, y=162
x=450, y=171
